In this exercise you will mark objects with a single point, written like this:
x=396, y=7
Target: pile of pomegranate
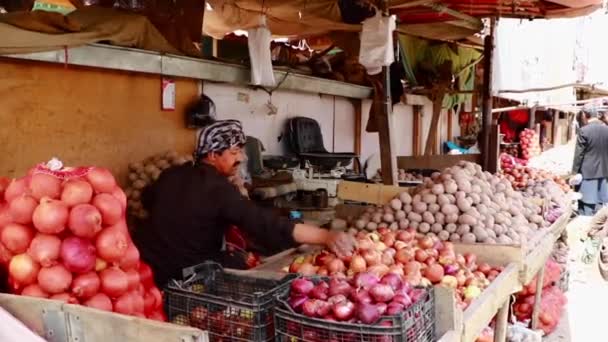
x=418, y=260
x=63, y=236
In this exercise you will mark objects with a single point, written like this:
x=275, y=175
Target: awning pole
x=488, y=53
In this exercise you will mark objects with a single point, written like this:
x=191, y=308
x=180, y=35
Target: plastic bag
x=259, y=39
x=519, y=333
x=377, y=43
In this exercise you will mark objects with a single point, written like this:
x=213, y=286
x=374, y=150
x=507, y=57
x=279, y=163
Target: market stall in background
x=457, y=235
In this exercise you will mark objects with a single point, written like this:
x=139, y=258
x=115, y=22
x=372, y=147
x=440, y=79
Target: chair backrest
x=304, y=136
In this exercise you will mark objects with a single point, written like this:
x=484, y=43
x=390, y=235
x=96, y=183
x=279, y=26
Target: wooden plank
x=488, y=53
x=448, y=317
x=502, y=322
x=439, y=162
x=450, y=336
x=432, y=136
x=95, y=325
x=481, y=311
x=538, y=297
x=417, y=128
x=368, y=193
x=492, y=254
x=383, y=110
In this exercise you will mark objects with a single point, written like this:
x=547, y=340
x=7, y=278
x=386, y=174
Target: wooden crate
x=59, y=322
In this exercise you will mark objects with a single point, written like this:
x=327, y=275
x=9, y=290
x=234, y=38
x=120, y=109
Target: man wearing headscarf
x=591, y=163
x=191, y=207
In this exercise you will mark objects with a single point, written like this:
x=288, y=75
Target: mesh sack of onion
x=63, y=236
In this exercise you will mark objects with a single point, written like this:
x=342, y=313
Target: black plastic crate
x=415, y=324
x=230, y=307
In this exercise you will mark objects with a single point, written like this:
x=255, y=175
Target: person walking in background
x=591, y=163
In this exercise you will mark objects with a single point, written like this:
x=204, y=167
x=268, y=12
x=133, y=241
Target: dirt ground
x=587, y=295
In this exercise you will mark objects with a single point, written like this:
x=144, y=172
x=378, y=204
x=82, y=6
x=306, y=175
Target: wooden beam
x=487, y=93
x=432, y=136
x=358, y=125
x=554, y=126
x=417, y=127
x=494, y=149
x=388, y=157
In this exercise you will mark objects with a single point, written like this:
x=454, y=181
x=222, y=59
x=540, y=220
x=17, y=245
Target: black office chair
x=305, y=139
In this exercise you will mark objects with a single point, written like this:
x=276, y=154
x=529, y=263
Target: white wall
x=250, y=107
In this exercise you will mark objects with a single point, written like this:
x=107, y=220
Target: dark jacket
x=190, y=207
x=591, y=154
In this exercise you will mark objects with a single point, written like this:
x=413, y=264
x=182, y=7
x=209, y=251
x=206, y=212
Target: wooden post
x=488, y=54
x=450, y=132
x=540, y=277
x=417, y=127
x=493, y=149
x=388, y=157
x=502, y=322
x=554, y=126
x=532, y=118
x=358, y=128
x=431, y=140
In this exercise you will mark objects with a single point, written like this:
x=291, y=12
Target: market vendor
x=191, y=206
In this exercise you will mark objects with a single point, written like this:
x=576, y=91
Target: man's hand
x=341, y=243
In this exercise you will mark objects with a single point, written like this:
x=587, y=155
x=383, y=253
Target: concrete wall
x=335, y=115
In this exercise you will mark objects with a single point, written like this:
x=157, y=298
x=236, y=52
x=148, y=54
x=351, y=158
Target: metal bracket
x=60, y=326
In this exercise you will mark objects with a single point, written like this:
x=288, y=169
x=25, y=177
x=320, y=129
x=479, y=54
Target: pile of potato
x=404, y=176
x=145, y=172
x=461, y=204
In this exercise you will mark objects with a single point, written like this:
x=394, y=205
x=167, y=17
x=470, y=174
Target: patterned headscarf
x=219, y=136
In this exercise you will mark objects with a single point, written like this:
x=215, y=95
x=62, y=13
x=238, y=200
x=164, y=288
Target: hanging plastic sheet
x=377, y=43
x=259, y=39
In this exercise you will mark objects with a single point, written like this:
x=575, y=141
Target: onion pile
x=363, y=299
x=417, y=260
x=530, y=144
x=143, y=173
x=461, y=204
x=522, y=177
x=64, y=237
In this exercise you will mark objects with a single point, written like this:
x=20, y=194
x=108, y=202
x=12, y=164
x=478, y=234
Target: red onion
x=86, y=285
x=382, y=293
x=402, y=299
x=323, y=308
x=382, y=307
x=114, y=282
x=145, y=275
x=368, y=313
x=34, y=290
x=15, y=189
x=124, y=304
x=365, y=280
x=120, y=196
x=417, y=294
x=302, y=286
x=131, y=258
x=450, y=269
x=45, y=249
x=100, y=301
x=296, y=302
x=101, y=180
x=50, y=216
x=393, y=280
x=112, y=244
x=336, y=299
x=361, y=296
x=76, y=192
x=337, y=287
x=23, y=269
x=138, y=302
x=343, y=310
x=109, y=207
x=320, y=291
x=43, y=185
x=55, y=279
x=78, y=254
x=16, y=237
x=85, y=221
x=65, y=297
x=358, y=264
x=394, y=309
x=133, y=278
x=336, y=265
x=309, y=308
x=22, y=208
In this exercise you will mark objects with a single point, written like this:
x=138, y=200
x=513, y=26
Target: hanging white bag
x=377, y=43
x=259, y=39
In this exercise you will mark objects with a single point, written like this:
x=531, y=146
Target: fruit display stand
x=522, y=264
x=56, y=321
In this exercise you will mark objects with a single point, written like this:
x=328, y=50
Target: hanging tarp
x=535, y=54
x=423, y=59
x=26, y=32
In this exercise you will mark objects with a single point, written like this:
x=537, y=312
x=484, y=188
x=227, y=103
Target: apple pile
x=419, y=260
